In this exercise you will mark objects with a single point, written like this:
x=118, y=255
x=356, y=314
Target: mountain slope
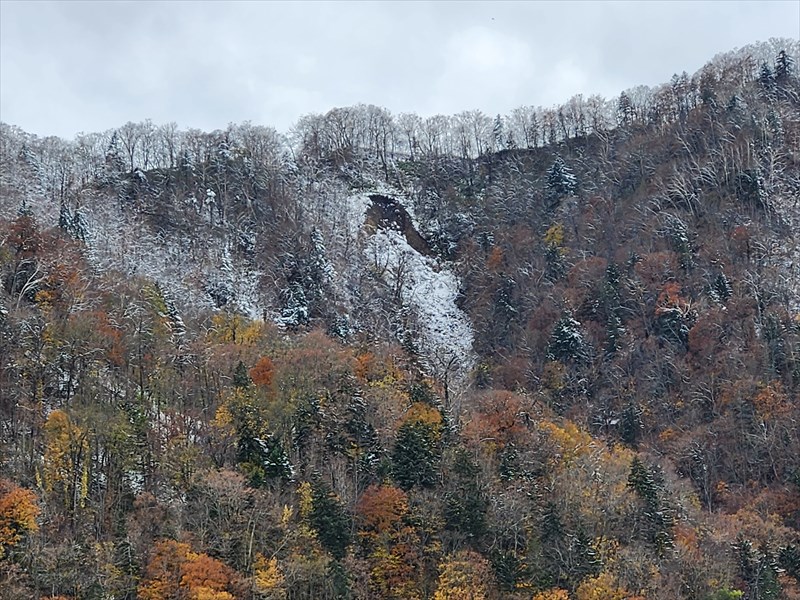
x=555, y=354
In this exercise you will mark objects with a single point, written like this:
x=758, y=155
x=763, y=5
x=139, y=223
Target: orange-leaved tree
x=263, y=372
x=18, y=512
x=381, y=508
x=394, y=556
x=174, y=572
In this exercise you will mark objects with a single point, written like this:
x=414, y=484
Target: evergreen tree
x=294, y=311
x=509, y=467
x=736, y=112
x=465, y=506
x=631, y=425
x=552, y=535
x=511, y=143
x=678, y=235
x=625, y=112
x=721, y=289
x=340, y=584
x=72, y=223
x=415, y=456
x=568, y=555
x=329, y=519
x=614, y=332
x=504, y=309
x=263, y=459
x=560, y=180
x=241, y=378
x=554, y=259
x=567, y=341
x=789, y=560
x=784, y=68
x=611, y=286
x=641, y=481
x=497, y=132
x=647, y=483
x=759, y=570
x=114, y=164
x=766, y=79
x=509, y=568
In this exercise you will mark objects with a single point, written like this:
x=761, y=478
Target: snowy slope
x=443, y=331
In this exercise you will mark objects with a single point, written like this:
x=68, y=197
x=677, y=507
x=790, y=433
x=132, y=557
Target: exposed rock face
x=387, y=213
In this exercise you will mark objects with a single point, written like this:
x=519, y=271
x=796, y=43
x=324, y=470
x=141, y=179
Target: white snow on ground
x=122, y=242
x=788, y=209
x=444, y=332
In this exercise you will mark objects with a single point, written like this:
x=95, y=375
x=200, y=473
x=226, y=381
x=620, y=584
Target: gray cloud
x=86, y=66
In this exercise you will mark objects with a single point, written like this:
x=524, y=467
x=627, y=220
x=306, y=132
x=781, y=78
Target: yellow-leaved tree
x=18, y=512
x=553, y=594
x=268, y=579
x=602, y=587
x=66, y=460
x=465, y=575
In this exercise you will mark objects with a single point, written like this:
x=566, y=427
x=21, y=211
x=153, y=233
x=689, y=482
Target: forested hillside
x=550, y=355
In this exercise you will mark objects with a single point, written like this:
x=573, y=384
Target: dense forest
x=550, y=355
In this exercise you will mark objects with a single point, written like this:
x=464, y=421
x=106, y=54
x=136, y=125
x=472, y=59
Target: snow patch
x=444, y=331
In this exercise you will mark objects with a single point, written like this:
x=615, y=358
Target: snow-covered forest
x=552, y=354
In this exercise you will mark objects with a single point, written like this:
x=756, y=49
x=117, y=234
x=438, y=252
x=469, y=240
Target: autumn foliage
x=174, y=572
x=213, y=385
x=263, y=372
x=19, y=510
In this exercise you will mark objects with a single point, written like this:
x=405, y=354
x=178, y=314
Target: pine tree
x=241, y=378
x=631, y=423
x=465, y=506
x=509, y=569
x=263, y=459
x=745, y=559
x=615, y=330
x=784, y=68
x=641, y=481
x=721, y=289
x=789, y=560
x=560, y=180
x=766, y=78
x=294, y=312
x=504, y=310
x=568, y=556
x=625, y=112
x=329, y=519
x=511, y=143
x=567, y=341
x=415, y=456
x=497, y=132
x=758, y=569
x=647, y=483
x=767, y=584
x=678, y=235
x=114, y=163
x=509, y=467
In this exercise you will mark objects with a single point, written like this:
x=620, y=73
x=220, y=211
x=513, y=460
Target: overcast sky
x=67, y=67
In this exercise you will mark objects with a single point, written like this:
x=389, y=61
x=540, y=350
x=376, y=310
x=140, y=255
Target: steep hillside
x=551, y=355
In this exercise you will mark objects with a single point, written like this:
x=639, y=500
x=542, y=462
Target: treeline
x=350, y=134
